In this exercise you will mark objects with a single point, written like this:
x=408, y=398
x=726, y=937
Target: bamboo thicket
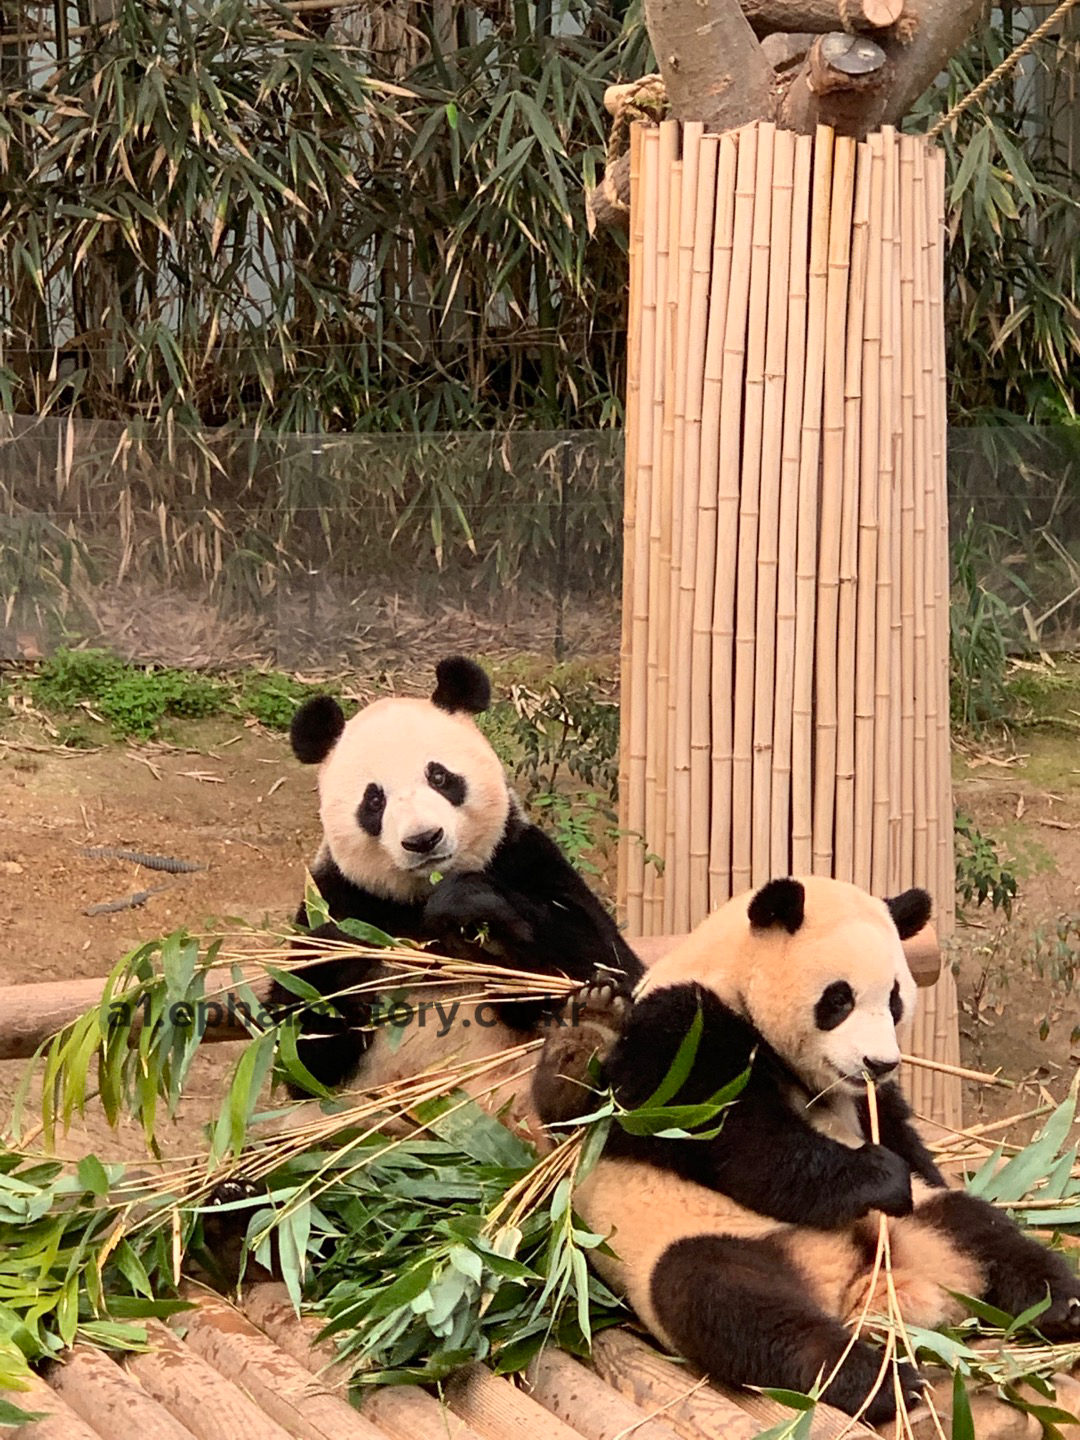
x=785, y=658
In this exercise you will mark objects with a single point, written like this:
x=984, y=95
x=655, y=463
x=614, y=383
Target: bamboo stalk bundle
x=659, y=534
x=648, y=217
x=746, y=565
x=768, y=556
x=701, y=681
x=847, y=595
x=785, y=653
x=788, y=512
x=727, y=521
x=629, y=858
x=688, y=907
x=871, y=765
x=802, y=708
x=829, y=524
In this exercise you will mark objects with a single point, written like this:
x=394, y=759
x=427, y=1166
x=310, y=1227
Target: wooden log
x=408, y=1413
x=101, y=1394
x=284, y=1389
x=727, y=522
x=701, y=684
x=768, y=538
x=691, y=877
x=496, y=1409
x=695, y=1409
x=208, y=1405
x=788, y=520
x=770, y=17
x=577, y=1395
x=842, y=83
x=746, y=564
x=59, y=1422
x=802, y=706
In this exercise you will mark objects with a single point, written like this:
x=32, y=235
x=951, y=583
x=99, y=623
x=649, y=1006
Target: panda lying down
x=750, y=1253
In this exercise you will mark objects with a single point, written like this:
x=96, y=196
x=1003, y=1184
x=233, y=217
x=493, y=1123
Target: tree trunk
x=711, y=62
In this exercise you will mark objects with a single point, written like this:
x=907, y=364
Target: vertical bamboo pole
x=629, y=858
x=746, y=574
x=847, y=608
x=867, y=872
x=727, y=521
x=690, y=330
x=701, y=684
x=687, y=801
x=775, y=375
x=802, y=735
x=908, y=539
x=660, y=531
x=639, y=691
x=917, y=439
x=890, y=407
x=780, y=862
x=883, y=754
x=832, y=485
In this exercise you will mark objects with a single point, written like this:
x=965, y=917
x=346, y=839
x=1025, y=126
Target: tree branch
x=771, y=17
x=711, y=62
x=943, y=26
x=843, y=82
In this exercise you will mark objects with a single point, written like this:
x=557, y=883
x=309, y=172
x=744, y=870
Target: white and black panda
x=750, y=1253
x=410, y=787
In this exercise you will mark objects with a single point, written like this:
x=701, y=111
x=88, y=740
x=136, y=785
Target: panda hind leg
x=1018, y=1271
x=739, y=1310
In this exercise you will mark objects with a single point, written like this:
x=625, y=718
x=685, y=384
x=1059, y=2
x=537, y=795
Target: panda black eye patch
x=896, y=1005
x=447, y=783
x=369, y=812
x=835, y=1004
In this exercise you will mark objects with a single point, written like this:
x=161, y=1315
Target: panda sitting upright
x=411, y=787
x=749, y=1253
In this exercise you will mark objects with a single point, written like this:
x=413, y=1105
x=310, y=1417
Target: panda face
x=409, y=789
x=818, y=968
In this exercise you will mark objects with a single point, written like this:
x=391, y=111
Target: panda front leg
x=562, y=1087
x=1017, y=1271
x=740, y=1311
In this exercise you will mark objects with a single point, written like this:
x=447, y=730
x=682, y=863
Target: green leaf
x=963, y=1425
x=92, y=1175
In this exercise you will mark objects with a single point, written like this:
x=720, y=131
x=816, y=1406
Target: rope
x=1024, y=48
x=645, y=100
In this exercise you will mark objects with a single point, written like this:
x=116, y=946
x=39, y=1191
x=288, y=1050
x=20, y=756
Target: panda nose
x=423, y=842
x=878, y=1069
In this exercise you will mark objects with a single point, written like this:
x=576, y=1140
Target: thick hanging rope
x=1010, y=61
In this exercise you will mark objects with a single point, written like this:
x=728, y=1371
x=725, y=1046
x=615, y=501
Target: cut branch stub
x=842, y=83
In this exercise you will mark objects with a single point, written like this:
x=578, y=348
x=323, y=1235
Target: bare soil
x=230, y=796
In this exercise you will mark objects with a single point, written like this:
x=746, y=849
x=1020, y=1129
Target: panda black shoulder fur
x=409, y=787
x=749, y=1253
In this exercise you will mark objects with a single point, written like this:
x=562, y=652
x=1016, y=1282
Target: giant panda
x=750, y=1253
x=410, y=790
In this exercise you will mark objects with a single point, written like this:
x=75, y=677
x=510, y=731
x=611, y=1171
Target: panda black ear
x=780, y=902
x=910, y=912
x=316, y=728
x=462, y=685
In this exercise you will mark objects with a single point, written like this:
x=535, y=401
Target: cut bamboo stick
x=802, y=735
x=768, y=554
x=788, y=512
x=867, y=776
x=746, y=572
x=686, y=801
x=639, y=690
x=829, y=525
x=701, y=685
x=727, y=521
x=660, y=530
x=847, y=598
x=629, y=857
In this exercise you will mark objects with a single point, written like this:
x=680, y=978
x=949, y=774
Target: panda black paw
x=1061, y=1322
x=912, y=1387
x=231, y=1192
x=469, y=900
x=886, y=1182
x=589, y=1025
x=605, y=1000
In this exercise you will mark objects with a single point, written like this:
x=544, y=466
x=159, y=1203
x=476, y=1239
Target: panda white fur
x=409, y=787
x=750, y=1253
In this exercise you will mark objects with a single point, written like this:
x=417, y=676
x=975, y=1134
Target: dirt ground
x=229, y=796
